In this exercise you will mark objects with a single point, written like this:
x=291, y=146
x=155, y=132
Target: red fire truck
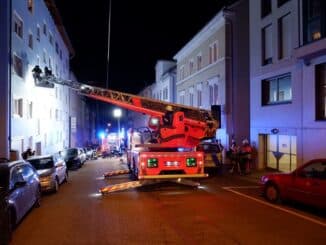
x=175, y=131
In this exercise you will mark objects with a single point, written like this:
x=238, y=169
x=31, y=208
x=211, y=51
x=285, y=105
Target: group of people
x=240, y=157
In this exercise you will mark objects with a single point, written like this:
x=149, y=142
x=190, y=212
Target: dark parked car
x=20, y=190
x=73, y=157
x=306, y=184
x=51, y=169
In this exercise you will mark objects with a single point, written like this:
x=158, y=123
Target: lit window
x=314, y=14
x=320, y=74
x=277, y=90
x=18, y=25
x=18, y=65
x=30, y=5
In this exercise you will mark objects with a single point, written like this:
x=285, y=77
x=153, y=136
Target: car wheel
x=272, y=193
x=66, y=177
x=37, y=203
x=56, y=185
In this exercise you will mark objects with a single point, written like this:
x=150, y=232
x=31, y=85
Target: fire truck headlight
x=152, y=163
x=191, y=162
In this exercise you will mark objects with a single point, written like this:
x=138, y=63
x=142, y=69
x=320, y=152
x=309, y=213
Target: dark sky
x=142, y=32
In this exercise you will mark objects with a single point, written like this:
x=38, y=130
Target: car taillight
x=191, y=162
x=152, y=163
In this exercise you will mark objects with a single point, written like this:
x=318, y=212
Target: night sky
x=142, y=32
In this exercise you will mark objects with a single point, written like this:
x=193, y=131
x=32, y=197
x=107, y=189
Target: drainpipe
x=228, y=14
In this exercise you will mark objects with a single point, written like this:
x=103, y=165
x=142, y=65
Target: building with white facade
x=213, y=69
x=288, y=80
x=164, y=87
x=35, y=117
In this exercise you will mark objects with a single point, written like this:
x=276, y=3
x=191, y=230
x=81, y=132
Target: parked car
x=52, y=170
x=82, y=155
x=90, y=153
x=306, y=184
x=20, y=190
x=72, y=157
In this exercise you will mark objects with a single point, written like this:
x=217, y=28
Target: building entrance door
x=281, y=152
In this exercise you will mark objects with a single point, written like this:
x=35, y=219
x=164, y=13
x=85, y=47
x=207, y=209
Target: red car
x=306, y=184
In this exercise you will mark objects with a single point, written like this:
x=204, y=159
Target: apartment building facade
x=213, y=69
x=287, y=76
x=35, y=117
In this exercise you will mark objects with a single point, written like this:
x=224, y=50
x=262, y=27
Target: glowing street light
x=117, y=113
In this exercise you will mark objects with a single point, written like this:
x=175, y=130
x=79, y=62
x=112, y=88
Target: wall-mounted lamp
x=275, y=131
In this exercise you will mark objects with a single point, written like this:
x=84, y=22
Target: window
x=30, y=110
x=18, y=107
x=277, y=90
x=215, y=94
x=281, y=2
x=266, y=7
x=211, y=95
x=191, y=67
x=44, y=29
x=191, y=96
x=267, y=52
x=38, y=33
x=199, y=62
x=182, y=72
x=320, y=75
x=314, y=19
x=30, y=40
x=18, y=65
x=56, y=47
x=213, y=52
x=182, y=97
x=284, y=36
x=18, y=25
x=44, y=56
x=51, y=38
x=199, y=97
x=30, y=5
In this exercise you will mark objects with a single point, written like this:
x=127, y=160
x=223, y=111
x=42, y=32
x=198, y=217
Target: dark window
x=277, y=90
x=314, y=20
x=267, y=45
x=44, y=29
x=281, y=2
x=30, y=40
x=18, y=26
x=38, y=33
x=18, y=65
x=320, y=75
x=266, y=7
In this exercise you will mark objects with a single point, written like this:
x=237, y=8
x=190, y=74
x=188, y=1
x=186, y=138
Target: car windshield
x=69, y=152
x=4, y=178
x=42, y=163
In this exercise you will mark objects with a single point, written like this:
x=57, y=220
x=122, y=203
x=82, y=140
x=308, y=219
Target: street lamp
x=117, y=114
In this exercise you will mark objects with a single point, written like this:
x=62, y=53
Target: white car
x=52, y=171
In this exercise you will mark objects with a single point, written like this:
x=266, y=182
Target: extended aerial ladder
x=188, y=127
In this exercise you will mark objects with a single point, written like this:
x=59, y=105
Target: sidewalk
x=254, y=176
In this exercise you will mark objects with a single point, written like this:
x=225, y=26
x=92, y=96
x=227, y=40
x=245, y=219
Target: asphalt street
x=225, y=209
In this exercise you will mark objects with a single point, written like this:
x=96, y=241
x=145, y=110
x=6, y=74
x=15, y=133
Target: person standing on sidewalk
x=233, y=155
x=245, y=157
x=220, y=152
